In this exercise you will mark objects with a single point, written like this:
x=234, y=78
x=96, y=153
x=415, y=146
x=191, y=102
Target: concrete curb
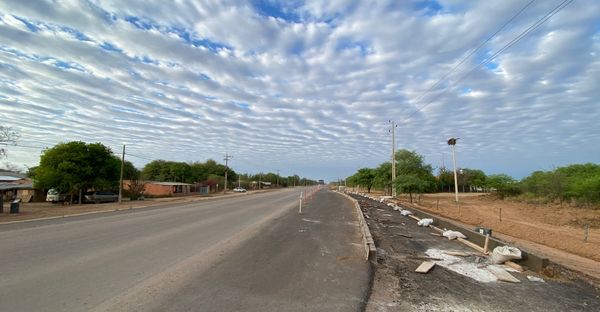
x=370, y=249
x=531, y=261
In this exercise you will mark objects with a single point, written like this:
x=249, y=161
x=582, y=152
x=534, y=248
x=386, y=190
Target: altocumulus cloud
x=303, y=86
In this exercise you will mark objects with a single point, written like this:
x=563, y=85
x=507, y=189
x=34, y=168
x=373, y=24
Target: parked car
x=239, y=189
x=100, y=197
x=55, y=196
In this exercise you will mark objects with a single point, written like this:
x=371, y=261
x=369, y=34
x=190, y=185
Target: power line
x=474, y=51
x=515, y=40
x=25, y=146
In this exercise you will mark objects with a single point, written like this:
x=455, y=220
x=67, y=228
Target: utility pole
x=121, y=179
x=259, y=180
x=393, y=158
x=277, y=178
x=227, y=157
x=452, y=141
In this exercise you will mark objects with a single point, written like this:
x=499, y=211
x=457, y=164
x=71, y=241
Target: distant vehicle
x=239, y=189
x=55, y=196
x=100, y=197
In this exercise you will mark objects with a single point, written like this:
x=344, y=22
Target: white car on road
x=239, y=189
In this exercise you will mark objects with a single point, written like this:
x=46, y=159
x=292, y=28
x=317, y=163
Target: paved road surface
x=250, y=253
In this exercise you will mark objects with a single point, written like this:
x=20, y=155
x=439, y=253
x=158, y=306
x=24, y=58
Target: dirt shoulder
x=31, y=211
x=457, y=283
x=548, y=230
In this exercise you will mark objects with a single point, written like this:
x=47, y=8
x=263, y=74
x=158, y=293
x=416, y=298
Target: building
x=169, y=189
x=14, y=185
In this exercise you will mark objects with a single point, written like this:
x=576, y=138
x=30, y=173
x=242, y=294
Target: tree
x=412, y=174
x=445, y=179
x=503, y=184
x=411, y=163
x=77, y=166
x=410, y=183
x=7, y=136
x=365, y=177
x=383, y=176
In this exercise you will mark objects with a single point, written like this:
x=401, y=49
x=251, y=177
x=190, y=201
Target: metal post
x=121, y=179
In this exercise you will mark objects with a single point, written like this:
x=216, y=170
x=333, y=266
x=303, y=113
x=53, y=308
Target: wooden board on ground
x=425, y=267
x=456, y=253
x=502, y=274
x=413, y=217
x=515, y=266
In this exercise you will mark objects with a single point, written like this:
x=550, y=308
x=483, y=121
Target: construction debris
x=452, y=234
x=456, y=253
x=502, y=254
x=515, y=266
x=405, y=212
x=425, y=222
x=425, y=267
x=502, y=274
x=535, y=279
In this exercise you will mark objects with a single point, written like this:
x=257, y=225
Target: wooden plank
x=436, y=234
x=470, y=244
x=416, y=218
x=485, y=245
x=515, y=266
x=425, y=267
x=502, y=274
x=456, y=253
x=436, y=228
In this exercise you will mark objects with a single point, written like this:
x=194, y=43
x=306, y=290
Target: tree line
x=578, y=183
x=76, y=166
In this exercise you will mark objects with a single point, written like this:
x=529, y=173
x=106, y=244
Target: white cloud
x=188, y=81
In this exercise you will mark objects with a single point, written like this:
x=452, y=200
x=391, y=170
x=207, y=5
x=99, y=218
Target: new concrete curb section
x=531, y=261
x=370, y=249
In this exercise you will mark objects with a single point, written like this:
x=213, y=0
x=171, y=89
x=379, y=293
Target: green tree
x=445, y=179
x=411, y=163
x=365, y=177
x=76, y=166
x=383, y=176
x=411, y=183
x=503, y=185
x=412, y=174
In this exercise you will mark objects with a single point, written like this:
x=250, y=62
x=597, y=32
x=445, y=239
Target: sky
x=305, y=87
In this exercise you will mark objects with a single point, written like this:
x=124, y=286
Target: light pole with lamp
x=452, y=141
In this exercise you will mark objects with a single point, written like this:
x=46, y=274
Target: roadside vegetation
x=577, y=184
x=74, y=167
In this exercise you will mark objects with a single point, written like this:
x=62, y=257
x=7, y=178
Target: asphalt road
x=248, y=253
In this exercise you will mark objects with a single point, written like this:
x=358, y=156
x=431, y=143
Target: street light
x=452, y=141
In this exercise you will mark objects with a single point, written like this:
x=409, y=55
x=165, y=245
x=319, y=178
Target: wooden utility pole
x=393, y=131
x=227, y=157
x=121, y=178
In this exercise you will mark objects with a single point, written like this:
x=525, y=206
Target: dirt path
x=457, y=283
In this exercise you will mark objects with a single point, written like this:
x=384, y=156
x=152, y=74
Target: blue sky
x=306, y=87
